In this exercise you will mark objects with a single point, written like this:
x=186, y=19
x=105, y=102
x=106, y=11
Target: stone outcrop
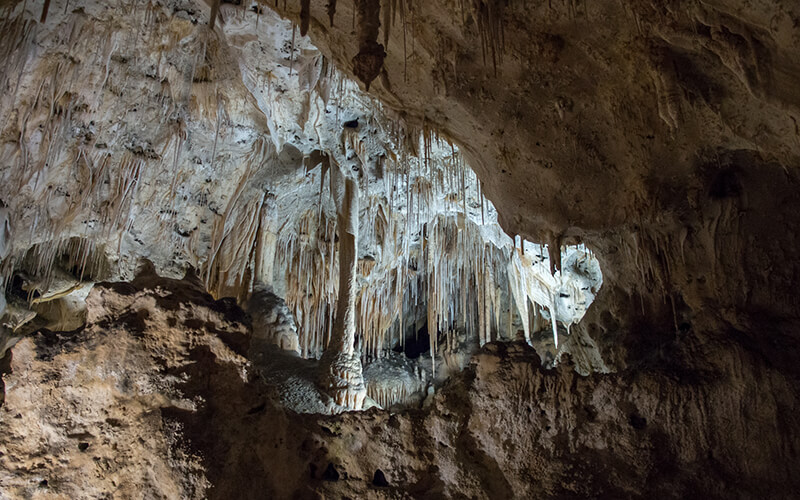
x=156, y=383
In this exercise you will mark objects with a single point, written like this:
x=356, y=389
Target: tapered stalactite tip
x=331, y=10
x=367, y=64
x=305, y=16
x=45, y=8
x=214, y=13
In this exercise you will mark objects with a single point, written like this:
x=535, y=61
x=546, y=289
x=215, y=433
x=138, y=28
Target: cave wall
x=662, y=134
x=154, y=398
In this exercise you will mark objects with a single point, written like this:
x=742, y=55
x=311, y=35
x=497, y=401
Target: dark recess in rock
x=637, y=421
x=379, y=479
x=330, y=473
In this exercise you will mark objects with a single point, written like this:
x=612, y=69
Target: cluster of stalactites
x=461, y=271
x=243, y=238
x=427, y=187
x=71, y=171
x=429, y=254
x=394, y=379
x=534, y=282
x=307, y=262
x=488, y=16
x=307, y=258
x=81, y=257
x=561, y=296
x=454, y=274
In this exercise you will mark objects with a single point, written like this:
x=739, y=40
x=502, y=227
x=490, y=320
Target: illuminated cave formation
x=384, y=249
x=337, y=181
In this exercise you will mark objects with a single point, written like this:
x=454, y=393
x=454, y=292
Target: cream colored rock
x=273, y=323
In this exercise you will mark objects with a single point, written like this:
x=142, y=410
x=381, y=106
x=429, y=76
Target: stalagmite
x=340, y=375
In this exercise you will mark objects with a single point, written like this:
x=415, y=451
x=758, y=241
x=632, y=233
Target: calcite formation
x=230, y=175
x=393, y=249
x=273, y=323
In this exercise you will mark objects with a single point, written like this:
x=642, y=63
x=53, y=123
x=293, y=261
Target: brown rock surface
x=85, y=411
x=148, y=401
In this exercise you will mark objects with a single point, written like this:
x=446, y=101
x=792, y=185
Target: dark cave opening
x=415, y=345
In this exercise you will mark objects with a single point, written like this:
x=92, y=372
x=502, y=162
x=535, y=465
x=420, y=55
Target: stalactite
x=388, y=13
x=305, y=16
x=214, y=12
x=45, y=8
x=554, y=251
x=331, y=10
x=368, y=62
